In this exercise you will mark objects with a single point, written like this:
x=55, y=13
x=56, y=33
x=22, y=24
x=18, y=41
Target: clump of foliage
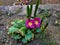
x=25, y=30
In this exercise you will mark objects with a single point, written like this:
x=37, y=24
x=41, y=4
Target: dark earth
x=53, y=31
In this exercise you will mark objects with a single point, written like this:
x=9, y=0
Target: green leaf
x=16, y=20
x=40, y=16
x=29, y=36
x=12, y=29
x=22, y=31
x=42, y=26
x=30, y=10
x=46, y=13
x=37, y=4
x=16, y=36
x=24, y=40
x=13, y=23
x=29, y=31
x=18, y=23
x=38, y=30
x=46, y=26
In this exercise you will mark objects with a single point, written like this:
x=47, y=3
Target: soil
x=53, y=31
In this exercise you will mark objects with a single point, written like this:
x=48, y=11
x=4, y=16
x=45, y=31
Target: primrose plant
x=25, y=30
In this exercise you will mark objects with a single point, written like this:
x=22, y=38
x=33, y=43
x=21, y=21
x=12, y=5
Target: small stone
x=56, y=22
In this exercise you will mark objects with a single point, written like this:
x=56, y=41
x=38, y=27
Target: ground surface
x=53, y=31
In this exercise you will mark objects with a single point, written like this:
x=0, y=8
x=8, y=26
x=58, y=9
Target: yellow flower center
x=30, y=23
x=36, y=22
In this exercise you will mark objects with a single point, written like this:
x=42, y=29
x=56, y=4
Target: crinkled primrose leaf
x=16, y=36
x=29, y=36
x=22, y=31
x=12, y=29
x=38, y=30
x=18, y=24
x=24, y=40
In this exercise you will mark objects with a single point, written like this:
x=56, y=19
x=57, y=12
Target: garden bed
x=52, y=32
